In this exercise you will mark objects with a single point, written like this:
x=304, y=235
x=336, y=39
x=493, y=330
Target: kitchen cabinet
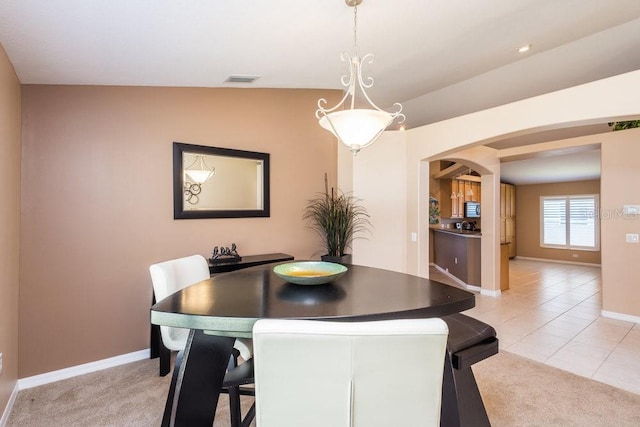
x=464, y=191
x=504, y=266
x=508, y=216
x=459, y=254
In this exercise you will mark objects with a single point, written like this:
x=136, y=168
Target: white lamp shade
x=199, y=176
x=356, y=128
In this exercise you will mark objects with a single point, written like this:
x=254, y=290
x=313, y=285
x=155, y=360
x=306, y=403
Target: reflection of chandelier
x=356, y=127
x=198, y=171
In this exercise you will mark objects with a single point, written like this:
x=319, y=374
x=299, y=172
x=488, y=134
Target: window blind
x=569, y=222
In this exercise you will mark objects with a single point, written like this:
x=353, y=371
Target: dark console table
x=247, y=261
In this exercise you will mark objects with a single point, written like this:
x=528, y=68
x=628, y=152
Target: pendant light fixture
x=356, y=128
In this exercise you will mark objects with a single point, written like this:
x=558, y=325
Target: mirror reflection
x=219, y=182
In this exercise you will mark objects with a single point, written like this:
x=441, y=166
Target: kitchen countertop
x=462, y=233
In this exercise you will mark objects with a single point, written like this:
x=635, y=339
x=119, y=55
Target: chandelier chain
x=355, y=29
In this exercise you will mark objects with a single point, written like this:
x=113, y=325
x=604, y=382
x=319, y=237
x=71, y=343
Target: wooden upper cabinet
x=513, y=201
x=456, y=212
x=464, y=191
x=444, y=194
x=461, y=198
x=476, y=188
x=508, y=216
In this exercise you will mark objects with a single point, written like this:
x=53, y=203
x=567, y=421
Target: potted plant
x=337, y=218
x=434, y=211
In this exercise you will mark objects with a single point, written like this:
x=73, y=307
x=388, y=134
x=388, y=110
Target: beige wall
x=97, y=203
x=528, y=220
x=382, y=193
x=9, y=225
x=620, y=260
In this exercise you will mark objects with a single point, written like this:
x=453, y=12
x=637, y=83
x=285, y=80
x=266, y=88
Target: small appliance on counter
x=470, y=226
x=467, y=225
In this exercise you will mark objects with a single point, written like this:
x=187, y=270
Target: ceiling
x=439, y=58
x=580, y=166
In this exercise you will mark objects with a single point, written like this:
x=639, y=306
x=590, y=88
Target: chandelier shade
x=198, y=171
x=356, y=128
x=199, y=176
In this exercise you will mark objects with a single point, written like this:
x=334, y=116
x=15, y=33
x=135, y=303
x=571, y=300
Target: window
x=569, y=222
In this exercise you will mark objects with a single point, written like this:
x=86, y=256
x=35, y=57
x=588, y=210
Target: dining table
x=226, y=306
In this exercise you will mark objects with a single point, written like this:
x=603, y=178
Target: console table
x=247, y=261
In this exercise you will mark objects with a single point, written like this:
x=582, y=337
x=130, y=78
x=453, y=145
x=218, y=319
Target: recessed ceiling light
x=524, y=48
x=241, y=79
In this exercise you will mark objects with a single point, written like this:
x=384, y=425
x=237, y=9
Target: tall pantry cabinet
x=508, y=216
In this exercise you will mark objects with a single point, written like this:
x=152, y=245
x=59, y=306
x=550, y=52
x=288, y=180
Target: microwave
x=472, y=210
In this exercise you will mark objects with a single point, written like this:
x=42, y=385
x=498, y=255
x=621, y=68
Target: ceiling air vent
x=241, y=79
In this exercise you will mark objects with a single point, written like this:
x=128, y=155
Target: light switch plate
x=633, y=238
x=0, y=363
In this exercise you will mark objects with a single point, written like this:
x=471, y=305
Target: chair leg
x=155, y=342
x=165, y=360
x=154, y=335
x=235, y=413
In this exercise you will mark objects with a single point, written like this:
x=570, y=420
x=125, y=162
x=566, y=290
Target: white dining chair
x=169, y=277
x=353, y=374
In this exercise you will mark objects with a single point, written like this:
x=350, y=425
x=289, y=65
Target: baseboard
x=7, y=409
x=557, y=261
x=491, y=293
x=451, y=276
x=471, y=288
x=73, y=371
x=620, y=316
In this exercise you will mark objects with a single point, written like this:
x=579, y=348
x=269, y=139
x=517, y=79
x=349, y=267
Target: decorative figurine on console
x=225, y=254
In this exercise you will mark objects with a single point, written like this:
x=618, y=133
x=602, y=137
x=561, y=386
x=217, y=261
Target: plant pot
x=344, y=259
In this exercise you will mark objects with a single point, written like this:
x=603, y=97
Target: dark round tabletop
x=230, y=303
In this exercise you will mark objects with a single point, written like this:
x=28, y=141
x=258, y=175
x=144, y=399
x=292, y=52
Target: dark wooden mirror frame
x=178, y=184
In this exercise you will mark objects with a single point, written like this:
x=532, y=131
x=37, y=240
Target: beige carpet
x=516, y=392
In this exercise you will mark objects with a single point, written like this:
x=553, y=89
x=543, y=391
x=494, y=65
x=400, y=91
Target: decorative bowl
x=309, y=272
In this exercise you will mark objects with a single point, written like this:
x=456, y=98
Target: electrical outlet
x=632, y=238
x=576, y=256
x=0, y=363
x=455, y=260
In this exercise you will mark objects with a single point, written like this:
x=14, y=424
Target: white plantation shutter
x=554, y=218
x=582, y=214
x=569, y=222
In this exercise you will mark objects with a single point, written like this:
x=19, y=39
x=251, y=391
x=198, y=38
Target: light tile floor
x=551, y=314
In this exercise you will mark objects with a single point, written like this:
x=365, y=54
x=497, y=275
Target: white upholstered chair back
x=349, y=374
x=171, y=276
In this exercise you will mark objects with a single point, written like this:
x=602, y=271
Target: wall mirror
x=211, y=182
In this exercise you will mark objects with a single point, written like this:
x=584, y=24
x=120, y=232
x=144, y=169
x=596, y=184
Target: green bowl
x=309, y=272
